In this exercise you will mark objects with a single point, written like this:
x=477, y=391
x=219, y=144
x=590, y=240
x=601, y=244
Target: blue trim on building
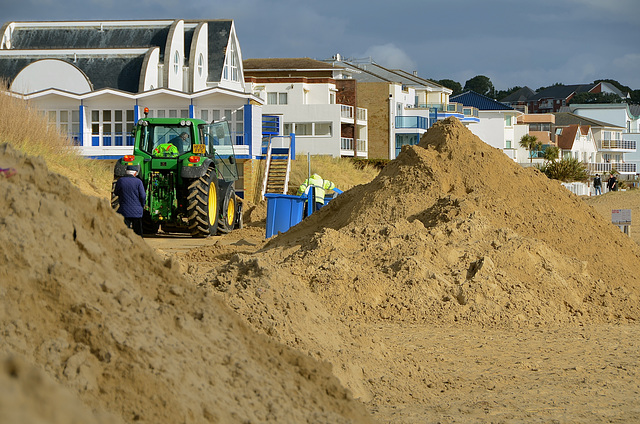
x=81, y=135
x=192, y=111
x=136, y=114
x=292, y=150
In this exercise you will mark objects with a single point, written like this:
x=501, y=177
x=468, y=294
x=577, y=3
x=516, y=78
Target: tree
x=501, y=94
x=582, y=98
x=481, y=85
x=453, y=85
x=531, y=144
x=551, y=153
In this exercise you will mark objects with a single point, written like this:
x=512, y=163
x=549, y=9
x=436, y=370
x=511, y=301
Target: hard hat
x=316, y=177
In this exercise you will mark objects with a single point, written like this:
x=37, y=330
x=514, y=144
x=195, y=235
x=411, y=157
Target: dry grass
x=28, y=131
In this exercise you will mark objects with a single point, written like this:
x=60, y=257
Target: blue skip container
x=283, y=212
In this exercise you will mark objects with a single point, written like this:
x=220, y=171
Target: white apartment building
x=313, y=100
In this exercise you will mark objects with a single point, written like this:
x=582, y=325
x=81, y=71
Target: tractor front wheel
x=202, y=208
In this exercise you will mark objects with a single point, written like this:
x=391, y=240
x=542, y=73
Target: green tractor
x=189, y=170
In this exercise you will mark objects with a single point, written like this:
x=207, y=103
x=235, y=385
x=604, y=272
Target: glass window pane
x=95, y=115
x=75, y=116
x=323, y=128
x=95, y=129
x=106, y=115
x=282, y=100
x=272, y=98
x=204, y=115
x=106, y=128
x=118, y=115
x=216, y=115
x=161, y=113
x=184, y=113
x=173, y=113
x=64, y=116
x=51, y=116
x=118, y=128
x=130, y=115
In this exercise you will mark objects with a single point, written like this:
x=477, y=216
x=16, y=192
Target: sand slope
x=97, y=310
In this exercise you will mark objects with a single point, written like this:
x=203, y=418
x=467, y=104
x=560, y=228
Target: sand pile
x=91, y=313
x=454, y=231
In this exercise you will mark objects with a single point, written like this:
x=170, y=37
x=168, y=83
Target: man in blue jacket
x=131, y=196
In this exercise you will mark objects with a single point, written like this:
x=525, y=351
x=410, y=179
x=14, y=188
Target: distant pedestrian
x=612, y=184
x=131, y=197
x=597, y=184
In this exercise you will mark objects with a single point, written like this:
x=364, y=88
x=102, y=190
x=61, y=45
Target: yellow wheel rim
x=213, y=203
x=231, y=211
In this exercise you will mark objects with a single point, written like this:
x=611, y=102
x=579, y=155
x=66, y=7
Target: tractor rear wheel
x=228, y=212
x=202, y=208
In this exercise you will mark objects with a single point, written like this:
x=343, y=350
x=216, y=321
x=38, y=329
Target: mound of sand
x=90, y=309
x=452, y=231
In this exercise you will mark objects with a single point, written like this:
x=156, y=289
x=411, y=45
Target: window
x=231, y=71
x=67, y=122
x=303, y=129
x=277, y=98
x=318, y=129
x=508, y=144
x=200, y=64
x=507, y=121
x=405, y=139
x=539, y=127
x=323, y=129
x=176, y=62
x=112, y=126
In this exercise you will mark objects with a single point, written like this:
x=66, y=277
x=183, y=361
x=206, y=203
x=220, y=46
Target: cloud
x=390, y=56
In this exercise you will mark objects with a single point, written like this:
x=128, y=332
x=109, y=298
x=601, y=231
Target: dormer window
x=200, y=64
x=176, y=62
x=231, y=67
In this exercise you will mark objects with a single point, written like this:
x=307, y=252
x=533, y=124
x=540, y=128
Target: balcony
x=346, y=112
x=346, y=147
x=601, y=168
x=361, y=114
x=618, y=145
x=417, y=122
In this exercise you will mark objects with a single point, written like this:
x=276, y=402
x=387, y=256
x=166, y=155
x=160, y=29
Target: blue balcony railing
x=419, y=122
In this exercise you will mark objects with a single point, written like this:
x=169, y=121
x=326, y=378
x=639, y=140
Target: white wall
x=50, y=73
x=491, y=128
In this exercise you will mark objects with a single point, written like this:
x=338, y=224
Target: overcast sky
x=530, y=43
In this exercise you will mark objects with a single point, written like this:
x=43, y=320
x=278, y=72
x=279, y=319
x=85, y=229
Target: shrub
x=566, y=170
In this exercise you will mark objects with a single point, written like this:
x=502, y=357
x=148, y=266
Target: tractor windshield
x=218, y=139
x=166, y=140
